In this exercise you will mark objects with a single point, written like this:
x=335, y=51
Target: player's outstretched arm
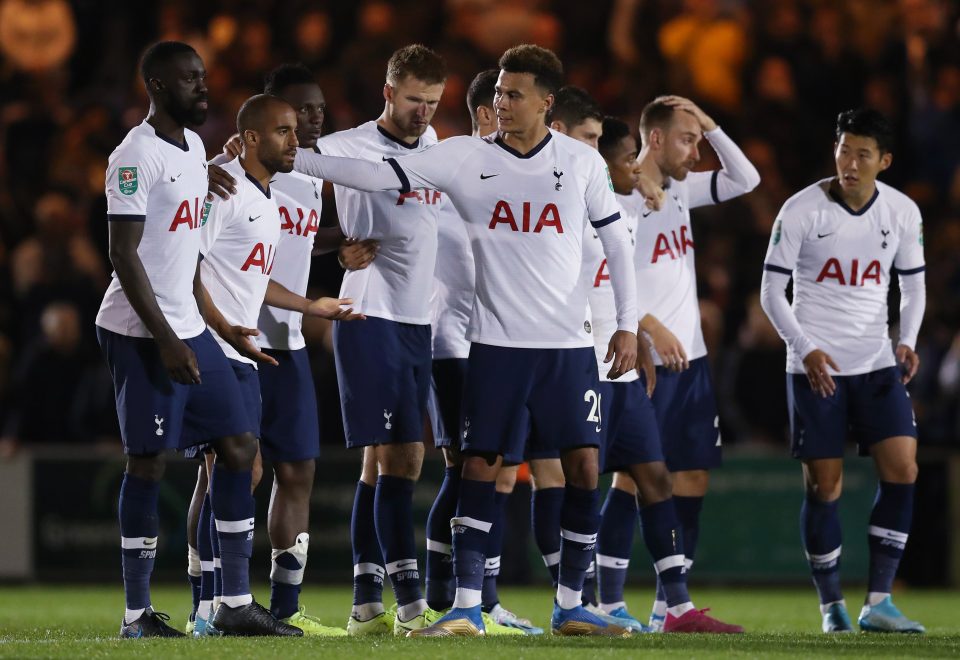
x=364, y=175
x=178, y=359
x=335, y=309
x=235, y=335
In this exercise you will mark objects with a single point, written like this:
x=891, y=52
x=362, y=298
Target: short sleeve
x=909, y=257
x=601, y=203
x=437, y=166
x=131, y=173
x=212, y=220
x=785, y=242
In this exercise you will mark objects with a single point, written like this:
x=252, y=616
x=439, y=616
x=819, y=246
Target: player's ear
x=250, y=137
x=155, y=85
x=886, y=159
x=548, y=103
x=484, y=114
x=558, y=125
x=656, y=137
x=388, y=92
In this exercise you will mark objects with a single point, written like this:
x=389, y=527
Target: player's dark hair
x=867, y=122
x=418, y=61
x=481, y=92
x=573, y=105
x=614, y=130
x=542, y=63
x=251, y=114
x=656, y=114
x=286, y=75
x=159, y=54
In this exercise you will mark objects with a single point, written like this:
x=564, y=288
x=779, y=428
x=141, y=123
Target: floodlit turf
x=81, y=622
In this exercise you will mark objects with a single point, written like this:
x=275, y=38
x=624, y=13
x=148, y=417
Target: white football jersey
x=299, y=199
x=163, y=184
x=526, y=215
x=397, y=284
x=453, y=286
x=841, y=263
x=603, y=309
x=239, y=248
x=664, y=252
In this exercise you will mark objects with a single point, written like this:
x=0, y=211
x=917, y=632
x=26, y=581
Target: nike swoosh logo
x=174, y=178
x=252, y=219
x=407, y=564
x=646, y=213
x=825, y=235
x=484, y=177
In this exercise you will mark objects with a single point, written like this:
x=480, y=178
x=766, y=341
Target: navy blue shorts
x=868, y=407
x=290, y=428
x=156, y=413
x=687, y=417
x=383, y=368
x=547, y=395
x=444, y=402
x=630, y=434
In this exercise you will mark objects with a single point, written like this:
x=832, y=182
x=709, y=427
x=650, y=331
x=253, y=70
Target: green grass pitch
x=81, y=622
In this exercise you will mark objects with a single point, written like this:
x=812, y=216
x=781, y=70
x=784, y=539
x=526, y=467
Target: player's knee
x=296, y=476
x=481, y=467
x=656, y=486
x=507, y=479
x=904, y=473
x=825, y=487
x=580, y=468
x=237, y=452
x=149, y=467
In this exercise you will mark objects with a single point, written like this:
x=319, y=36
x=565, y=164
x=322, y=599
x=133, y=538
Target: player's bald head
x=258, y=112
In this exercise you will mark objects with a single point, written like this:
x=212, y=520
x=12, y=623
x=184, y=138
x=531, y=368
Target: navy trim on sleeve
x=777, y=269
x=404, y=181
x=124, y=217
x=713, y=187
x=606, y=221
x=911, y=271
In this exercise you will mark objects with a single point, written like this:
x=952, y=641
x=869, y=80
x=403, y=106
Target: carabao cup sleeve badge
x=128, y=180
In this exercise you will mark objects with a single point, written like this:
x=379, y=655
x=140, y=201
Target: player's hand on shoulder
x=622, y=351
x=645, y=365
x=681, y=103
x=357, y=255
x=908, y=361
x=335, y=309
x=653, y=193
x=219, y=182
x=817, y=365
x=233, y=146
x=179, y=360
x=669, y=348
x=239, y=337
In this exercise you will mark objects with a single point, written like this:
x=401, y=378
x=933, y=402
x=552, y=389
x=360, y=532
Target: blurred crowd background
x=773, y=74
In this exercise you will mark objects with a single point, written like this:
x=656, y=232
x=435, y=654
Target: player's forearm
x=283, y=298
x=913, y=302
x=212, y=316
x=136, y=286
x=773, y=299
x=623, y=277
x=650, y=323
x=327, y=240
x=738, y=175
x=364, y=175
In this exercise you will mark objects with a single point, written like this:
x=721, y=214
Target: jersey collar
x=393, y=138
x=843, y=204
x=530, y=154
x=185, y=146
x=253, y=180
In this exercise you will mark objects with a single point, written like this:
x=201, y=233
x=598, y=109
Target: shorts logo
x=158, y=420
x=127, y=180
x=387, y=415
x=466, y=428
x=716, y=425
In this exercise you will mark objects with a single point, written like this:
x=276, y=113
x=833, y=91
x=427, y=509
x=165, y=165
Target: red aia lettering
x=681, y=243
x=287, y=224
x=549, y=217
x=602, y=274
x=832, y=270
x=184, y=216
x=260, y=257
x=423, y=196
